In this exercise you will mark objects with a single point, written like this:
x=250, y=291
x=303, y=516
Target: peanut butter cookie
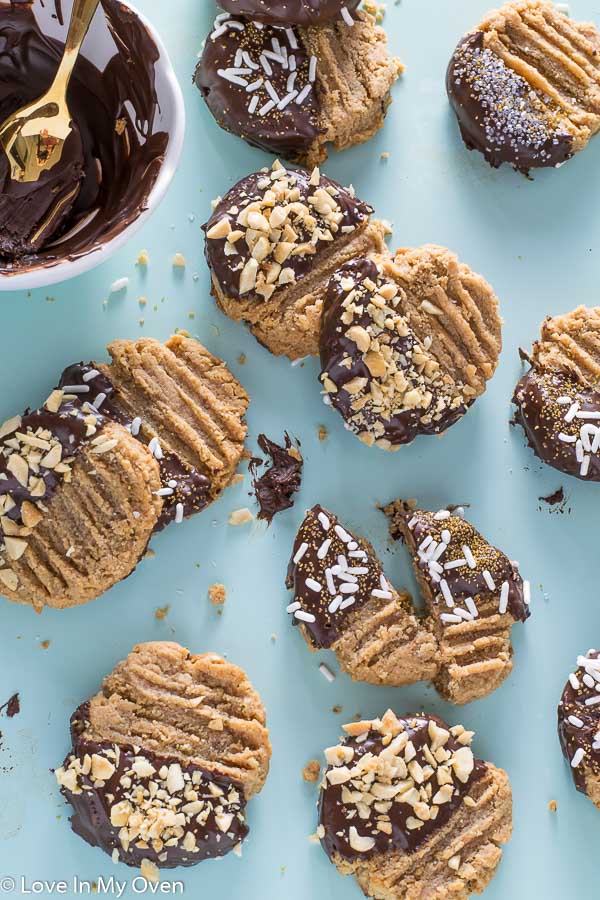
x=407, y=344
x=295, y=90
x=116, y=452
x=579, y=725
x=165, y=757
x=525, y=85
x=407, y=810
x=558, y=399
x=272, y=244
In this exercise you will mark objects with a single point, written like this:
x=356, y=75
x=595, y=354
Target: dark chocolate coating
x=585, y=735
x=288, y=132
x=333, y=811
x=289, y=12
x=121, y=156
x=328, y=626
x=543, y=419
x=275, y=489
x=463, y=581
x=335, y=348
x=499, y=113
x=226, y=269
x=91, y=818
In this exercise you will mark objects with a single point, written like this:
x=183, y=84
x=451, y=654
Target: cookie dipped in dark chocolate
x=376, y=396
x=500, y=114
x=561, y=420
x=331, y=573
x=300, y=214
x=260, y=84
x=460, y=566
x=579, y=720
x=290, y=12
x=125, y=796
x=114, y=113
x=276, y=487
x=380, y=764
x=185, y=490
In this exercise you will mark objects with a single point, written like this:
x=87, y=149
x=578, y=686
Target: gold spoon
x=34, y=136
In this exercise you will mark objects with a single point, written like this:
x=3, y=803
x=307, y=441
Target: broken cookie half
x=344, y=602
x=407, y=809
x=116, y=452
x=164, y=759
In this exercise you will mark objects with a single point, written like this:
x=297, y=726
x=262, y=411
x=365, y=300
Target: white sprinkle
x=300, y=553
x=335, y=604
x=470, y=604
x=455, y=563
x=76, y=389
x=229, y=75
x=435, y=567
x=291, y=36
x=463, y=614
x=255, y=85
x=322, y=551
x=572, y=412
x=487, y=577
x=446, y=536
x=357, y=554
x=324, y=521
x=304, y=616
x=352, y=545
x=238, y=58
x=249, y=61
x=575, y=721
x=591, y=701
x=588, y=414
x=446, y=593
x=119, y=285
x=292, y=63
x=564, y=401
x=527, y=592
x=381, y=595
x=383, y=582
x=293, y=607
x=442, y=514
x=349, y=601
x=469, y=557
x=585, y=466
x=578, y=756
x=425, y=544
x=347, y=17
x=93, y=373
x=312, y=69
x=342, y=563
x=439, y=551
x=99, y=400
x=341, y=533
x=347, y=588
x=579, y=451
x=291, y=81
x=266, y=108
x=179, y=513
x=287, y=100
x=326, y=672
x=265, y=64
x=413, y=522
x=135, y=426
x=164, y=492
x=448, y=617
x=358, y=570
x=303, y=94
x=272, y=92
x=313, y=585
x=503, y=606
x=574, y=681
x=330, y=583
x=567, y=438
x=589, y=681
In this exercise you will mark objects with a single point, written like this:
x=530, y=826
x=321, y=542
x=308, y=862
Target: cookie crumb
x=384, y=155
x=237, y=478
x=323, y=433
x=162, y=612
x=326, y=672
x=150, y=871
x=149, y=554
x=44, y=644
x=336, y=709
x=242, y=359
x=552, y=806
x=119, y=285
x=12, y=706
x=216, y=724
x=454, y=863
x=143, y=258
x=240, y=516
x=217, y=594
x=311, y=771
x=179, y=261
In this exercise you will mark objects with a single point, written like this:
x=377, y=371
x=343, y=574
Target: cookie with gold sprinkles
x=292, y=12
x=525, y=85
x=407, y=809
x=579, y=725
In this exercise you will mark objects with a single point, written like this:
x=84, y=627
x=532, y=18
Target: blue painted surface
x=537, y=243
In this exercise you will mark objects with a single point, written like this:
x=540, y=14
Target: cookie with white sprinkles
x=292, y=12
x=474, y=595
x=525, y=85
x=558, y=399
x=406, y=809
x=117, y=451
x=293, y=90
x=164, y=759
x=273, y=242
x=579, y=725
x=407, y=344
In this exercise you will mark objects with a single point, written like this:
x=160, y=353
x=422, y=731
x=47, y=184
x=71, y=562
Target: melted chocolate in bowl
x=116, y=114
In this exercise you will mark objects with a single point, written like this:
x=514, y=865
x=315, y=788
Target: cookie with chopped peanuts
x=272, y=244
x=291, y=12
x=117, y=451
x=579, y=725
x=474, y=595
x=165, y=757
x=407, y=344
x=525, y=85
x=407, y=809
x=558, y=399
x=295, y=90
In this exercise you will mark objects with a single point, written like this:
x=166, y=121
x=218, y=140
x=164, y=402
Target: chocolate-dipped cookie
x=292, y=12
x=407, y=344
x=579, y=725
x=343, y=601
x=558, y=399
x=295, y=90
x=273, y=242
x=524, y=85
x=164, y=759
x=116, y=452
x=406, y=809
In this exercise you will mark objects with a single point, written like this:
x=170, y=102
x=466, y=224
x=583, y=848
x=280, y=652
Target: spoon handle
x=81, y=17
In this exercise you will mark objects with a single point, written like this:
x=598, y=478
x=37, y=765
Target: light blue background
x=537, y=243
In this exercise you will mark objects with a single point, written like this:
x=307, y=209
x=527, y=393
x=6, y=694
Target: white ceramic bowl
x=169, y=118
